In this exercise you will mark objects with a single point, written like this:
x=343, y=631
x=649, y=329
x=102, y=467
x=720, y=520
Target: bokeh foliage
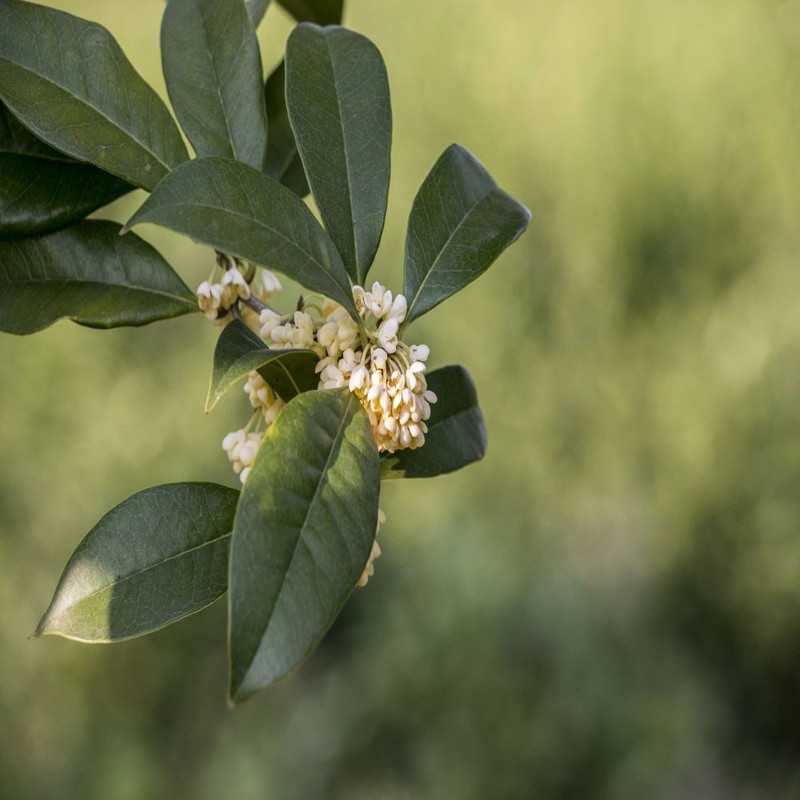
x=606, y=606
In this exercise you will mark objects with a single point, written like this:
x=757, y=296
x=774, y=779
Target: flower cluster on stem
x=365, y=355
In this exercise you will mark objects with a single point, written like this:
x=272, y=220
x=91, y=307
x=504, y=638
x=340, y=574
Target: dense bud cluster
x=365, y=355
x=387, y=375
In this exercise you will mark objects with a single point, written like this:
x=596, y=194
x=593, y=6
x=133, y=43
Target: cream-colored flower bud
x=359, y=379
x=269, y=321
x=387, y=335
x=330, y=307
x=267, y=286
x=349, y=361
x=358, y=299
x=379, y=357
x=326, y=336
x=272, y=411
x=304, y=330
x=322, y=363
x=261, y=394
x=234, y=281
x=398, y=309
x=379, y=300
x=247, y=452
x=419, y=352
x=232, y=442
x=209, y=299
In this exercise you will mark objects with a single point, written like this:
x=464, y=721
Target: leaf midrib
x=119, y=581
x=226, y=210
x=89, y=105
x=322, y=480
x=128, y=287
x=226, y=382
x=218, y=85
x=346, y=159
x=442, y=249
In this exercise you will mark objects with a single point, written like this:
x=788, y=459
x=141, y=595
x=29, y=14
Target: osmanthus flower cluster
x=341, y=396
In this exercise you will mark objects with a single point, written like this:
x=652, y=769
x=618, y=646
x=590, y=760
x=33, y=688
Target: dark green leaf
x=238, y=210
x=89, y=274
x=41, y=189
x=323, y=12
x=158, y=556
x=16, y=138
x=38, y=195
x=212, y=67
x=337, y=94
x=257, y=9
x=460, y=223
x=239, y=351
x=456, y=432
x=303, y=532
x=69, y=82
x=283, y=161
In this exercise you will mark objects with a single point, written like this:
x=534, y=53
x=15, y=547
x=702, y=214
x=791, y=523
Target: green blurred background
x=608, y=606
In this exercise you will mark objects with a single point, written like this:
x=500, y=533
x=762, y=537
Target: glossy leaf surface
x=303, y=532
x=90, y=274
x=158, y=556
x=239, y=351
x=337, y=94
x=283, y=161
x=460, y=223
x=238, y=210
x=323, y=12
x=69, y=82
x=212, y=67
x=456, y=432
x=43, y=190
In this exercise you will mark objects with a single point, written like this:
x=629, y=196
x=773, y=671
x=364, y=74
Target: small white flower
x=359, y=379
x=269, y=321
x=209, y=299
x=379, y=300
x=387, y=335
x=304, y=330
x=241, y=448
x=235, y=285
x=349, y=361
x=358, y=299
x=267, y=286
x=379, y=357
x=398, y=309
x=419, y=352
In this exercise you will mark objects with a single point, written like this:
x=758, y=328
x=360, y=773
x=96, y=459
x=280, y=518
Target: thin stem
x=256, y=304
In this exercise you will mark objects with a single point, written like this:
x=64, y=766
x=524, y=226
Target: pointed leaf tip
x=239, y=210
x=460, y=222
x=212, y=68
x=156, y=557
x=239, y=351
x=337, y=95
x=304, y=529
x=456, y=433
x=89, y=274
x=113, y=120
